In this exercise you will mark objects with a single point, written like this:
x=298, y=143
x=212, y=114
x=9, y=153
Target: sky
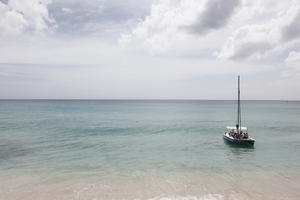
x=149, y=49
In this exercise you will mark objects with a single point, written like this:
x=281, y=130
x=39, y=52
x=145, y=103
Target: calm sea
x=147, y=149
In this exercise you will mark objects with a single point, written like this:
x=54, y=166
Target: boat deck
x=229, y=138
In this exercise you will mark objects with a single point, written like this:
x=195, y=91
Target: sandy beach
x=173, y=186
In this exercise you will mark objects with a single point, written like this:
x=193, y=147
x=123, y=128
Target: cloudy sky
x=149, y=49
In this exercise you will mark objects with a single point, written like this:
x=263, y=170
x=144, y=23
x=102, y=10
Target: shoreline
x=153, y=186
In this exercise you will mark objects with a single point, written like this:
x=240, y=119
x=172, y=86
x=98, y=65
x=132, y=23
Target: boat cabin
x=242, y=133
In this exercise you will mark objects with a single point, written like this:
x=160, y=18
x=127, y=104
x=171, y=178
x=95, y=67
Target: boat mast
x=239, y=119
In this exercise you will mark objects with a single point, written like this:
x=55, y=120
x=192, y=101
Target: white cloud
x=258, y=40
x=293, y=58
x=258, y=28
x=250, y=41
x=216, y=14
x=27, y=15
x=291, y=27
x=10, y=22
x=99, y=18
x=67, y=10
x=171, y=22
x=293, y=64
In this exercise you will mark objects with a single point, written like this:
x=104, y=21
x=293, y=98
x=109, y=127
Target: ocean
x=147, y=149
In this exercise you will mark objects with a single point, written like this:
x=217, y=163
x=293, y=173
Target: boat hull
x=239, y=142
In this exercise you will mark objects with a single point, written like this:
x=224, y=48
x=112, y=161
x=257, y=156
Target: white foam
x=205, y=197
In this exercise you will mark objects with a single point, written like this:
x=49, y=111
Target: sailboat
x=238, y=134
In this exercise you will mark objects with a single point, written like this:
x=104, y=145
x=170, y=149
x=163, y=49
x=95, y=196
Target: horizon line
x=137, y=99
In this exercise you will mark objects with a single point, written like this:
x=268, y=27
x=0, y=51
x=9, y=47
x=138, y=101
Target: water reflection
x=240, y=157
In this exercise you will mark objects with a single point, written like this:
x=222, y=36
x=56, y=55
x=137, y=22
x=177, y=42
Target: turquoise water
x=119, y=138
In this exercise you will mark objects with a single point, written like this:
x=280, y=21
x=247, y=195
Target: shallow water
x=147, y=150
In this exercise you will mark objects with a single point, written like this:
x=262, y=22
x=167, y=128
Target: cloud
x=291, y=29
x=171, y=22
x=293, y=58
x=18, y=16
x=165, y=25
x=100, y=18
x=216, y=15
x=249, y=41
x=67, y=10
x=10, y=22
x=293, y=63
x=259, y=40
